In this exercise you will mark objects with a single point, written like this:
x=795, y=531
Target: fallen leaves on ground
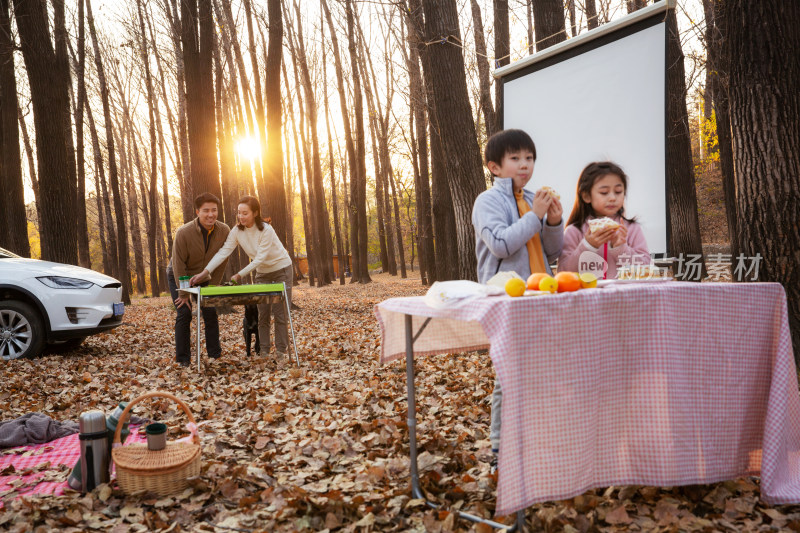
x=323, y=447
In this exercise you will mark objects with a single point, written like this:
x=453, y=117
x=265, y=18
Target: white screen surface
x=607, y=104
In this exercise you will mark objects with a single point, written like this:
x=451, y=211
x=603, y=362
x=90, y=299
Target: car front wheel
x=21, y=330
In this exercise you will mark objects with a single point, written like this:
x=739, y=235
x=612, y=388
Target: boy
x=515, y=229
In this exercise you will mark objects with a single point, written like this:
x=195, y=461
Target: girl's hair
x=593, y=172
x=255, y=207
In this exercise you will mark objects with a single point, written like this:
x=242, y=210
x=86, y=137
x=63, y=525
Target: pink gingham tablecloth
x=23, y=479
x=658, y=384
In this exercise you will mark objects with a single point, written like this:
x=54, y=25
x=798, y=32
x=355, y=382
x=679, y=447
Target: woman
x=271, y=262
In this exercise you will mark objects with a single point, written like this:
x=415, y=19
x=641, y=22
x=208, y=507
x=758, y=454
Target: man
x=195, y=243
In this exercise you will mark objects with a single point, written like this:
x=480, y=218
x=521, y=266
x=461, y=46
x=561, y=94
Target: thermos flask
x=75, y=479
x=94, y=449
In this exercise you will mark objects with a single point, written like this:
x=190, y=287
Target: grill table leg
x=199, y=304
x=416, y=491
x=291, y=326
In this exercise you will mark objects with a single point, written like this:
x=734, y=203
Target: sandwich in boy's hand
x=600, y=224
x=552, y=192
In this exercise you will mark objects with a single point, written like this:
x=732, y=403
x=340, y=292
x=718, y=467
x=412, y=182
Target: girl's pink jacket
x=634, y=251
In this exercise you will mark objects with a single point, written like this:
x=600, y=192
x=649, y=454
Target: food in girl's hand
x=515, y=287
x=552, y=192
x=568, y=281
x=548, y=284
x=588, y=280
x=534, y=279
x=599, y=224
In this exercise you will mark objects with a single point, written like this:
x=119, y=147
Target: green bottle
x=74, y=480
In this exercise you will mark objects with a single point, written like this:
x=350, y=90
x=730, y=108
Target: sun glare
x=248, y=148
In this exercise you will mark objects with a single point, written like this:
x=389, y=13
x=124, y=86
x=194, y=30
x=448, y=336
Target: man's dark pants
x=183, y=328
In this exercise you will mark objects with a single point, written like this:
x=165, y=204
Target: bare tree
x=14, y=230
x=185, y=177
x=152, y=113
x=455, y=124
x=682, y=208
x=484, y=77
x=122, y=233
x=548, y=19
x=765, y=128
x=197, y=37
x=50, y=101
x=502, y=54
x=358, y=181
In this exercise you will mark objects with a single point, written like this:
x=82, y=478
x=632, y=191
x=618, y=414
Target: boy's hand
x=599, y=238
x=621, y=236
x=554, y=212
x=541, y=203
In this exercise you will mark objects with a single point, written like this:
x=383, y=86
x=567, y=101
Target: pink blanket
x=36, y=469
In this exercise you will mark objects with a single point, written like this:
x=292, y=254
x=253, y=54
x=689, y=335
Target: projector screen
x=600, y=99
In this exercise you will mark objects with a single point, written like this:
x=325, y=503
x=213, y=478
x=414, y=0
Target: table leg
x=416, y=491
x=199, y=304
x=291, y=326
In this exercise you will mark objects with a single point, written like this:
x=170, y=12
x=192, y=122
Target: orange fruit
x=548, y=284
x=588, y=280
x=515, y=287
x=568, y=281
x=534, y=279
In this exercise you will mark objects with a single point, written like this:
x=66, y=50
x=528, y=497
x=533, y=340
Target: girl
x=601, y=193
x=271, y=262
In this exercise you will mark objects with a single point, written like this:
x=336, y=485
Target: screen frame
x=592, y=40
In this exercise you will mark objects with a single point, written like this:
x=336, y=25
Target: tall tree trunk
x=341, y=258
x=276, y=199
x=101, y=225
x=61, y=41
x=682, y=208
x=444, y=217
x=502, y=53
x=152, y=112
x=185, y=177
x=317, y=209
x=718, y=85
x=197, y=36
x=122, y=233
x=548, y=19
x=455, y=125
x=102, y=191
x=635, y=5
x=591, y=14
x=422, y=180
x=14, y=230
x=50, y=101
x=381, y=217
x=398, y=228
x=26, y=141
x=352, y=162
x=484, y=78
x=762, y=45
x=572, y=18
x=83, y=231
x=126, y=176
x=358, y=184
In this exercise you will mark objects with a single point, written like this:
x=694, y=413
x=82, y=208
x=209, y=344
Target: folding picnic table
x=659, y=384
x=239, y=295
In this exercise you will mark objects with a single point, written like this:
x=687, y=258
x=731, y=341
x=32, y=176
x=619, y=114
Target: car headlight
x=59, y=282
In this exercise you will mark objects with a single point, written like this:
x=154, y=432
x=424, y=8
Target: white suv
x=43, y=302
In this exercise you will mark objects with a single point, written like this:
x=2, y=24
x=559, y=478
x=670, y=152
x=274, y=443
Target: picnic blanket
x=37, y=469
x=34, y=428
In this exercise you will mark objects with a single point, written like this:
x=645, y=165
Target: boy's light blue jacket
x=501, y=235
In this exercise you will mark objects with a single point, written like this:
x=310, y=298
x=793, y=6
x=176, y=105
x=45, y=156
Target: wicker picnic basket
x=164, y=471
